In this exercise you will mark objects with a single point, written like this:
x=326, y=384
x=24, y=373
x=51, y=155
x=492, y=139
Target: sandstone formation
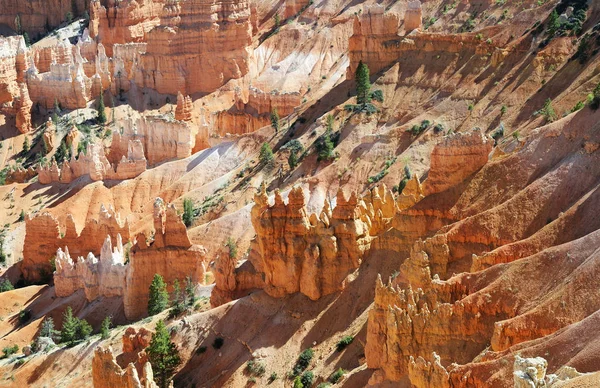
x=103, y=277
x=38, y=17
x=106, y=373
x=93, y=163
x=183, y=111
x=171, y=63
x=455, y=159
x=413, y=16
x=20, y=175
x=252, y=110
x=170, y=254
x=162, y=139
x=43, y=238
x=14, y=96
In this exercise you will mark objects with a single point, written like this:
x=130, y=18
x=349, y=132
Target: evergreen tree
x=293, y=160
x=26, y=145
x=266, y=154
x=69, y=327
x=188, y=212
x=190, y=294
x=363, y=84
x=275, y=120
x=163, y=355
x=101, y=112
x=48, y=328
x=159, y=297
x=176, y=302
x=6, y=285
x=105, y=328
x=84, y=329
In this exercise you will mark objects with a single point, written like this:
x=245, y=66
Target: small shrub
x=105, y=328
x=231, y=244
x=377, y=95
x=188, y=212
x=298, y=382
x=438, y=128
x=6, y=285
x=307, y=378
x=337, y=375
x=218, y=343
x=303, y=361
x=24, y=316
x=266, y=154
x=255, y=368
x=273, y=377
x=201, y=349
x=10, y=350
x=344, y=342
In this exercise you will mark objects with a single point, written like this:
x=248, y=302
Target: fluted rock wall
x=93, y=163
x=184, y=108
x=43, y=239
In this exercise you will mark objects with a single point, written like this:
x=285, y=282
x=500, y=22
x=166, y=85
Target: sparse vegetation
x=232, y=246
x=105, y=327
x=255, y=368
x=101, y=109
x=275, y=121
x=416, y=130
x=73, y=328
x=10, y=350
x=265, y=156
x=307, y=378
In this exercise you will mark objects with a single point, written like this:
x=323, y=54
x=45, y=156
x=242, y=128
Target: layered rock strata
x=38, y=17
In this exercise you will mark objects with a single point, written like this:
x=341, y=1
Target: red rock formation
x=106, y=373
x=414, y=16
x=183, y=111
x=20, y=175
x=43, y=239
x=170, y=254
x=38, y=17
x=123, y=22
x=93, y=163
x=23, y=107
x=103, y=277
x=456, y=158
x=319, y=253
x=221, y=31
x=162, y=139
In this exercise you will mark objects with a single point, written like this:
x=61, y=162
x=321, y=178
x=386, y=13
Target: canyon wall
x=198, y=47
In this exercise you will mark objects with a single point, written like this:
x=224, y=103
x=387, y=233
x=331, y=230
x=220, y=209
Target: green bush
x=344, y=342
x=266, y=154
x=337, y=375
x=73, y=328
x=188, y=212
x=255, y=368
x=303, y=362
x=6, y=285
x=10, y=350
x=307, y=378
x=218, y=343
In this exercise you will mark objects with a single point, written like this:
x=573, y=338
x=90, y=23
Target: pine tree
x=176, y=302
x=101, y=112
x=363, y=84
x=159, y=297
x=69, y=327
x=190, y=294
x=105, y=328
x=275, y=120
x=163, y=355
x=48, y=328
x=26, y=145
x=293, y=160
x=266, y=154
x=83, y=330
x=188, y=212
